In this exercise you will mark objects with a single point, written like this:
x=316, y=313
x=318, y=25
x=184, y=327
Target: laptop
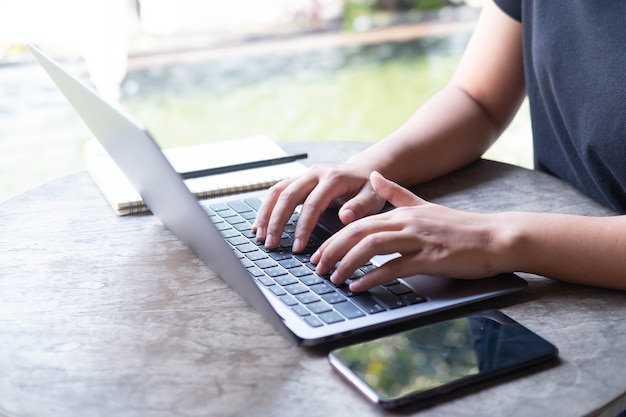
x=282, y=286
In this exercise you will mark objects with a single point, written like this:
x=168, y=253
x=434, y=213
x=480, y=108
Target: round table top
x=108, y=315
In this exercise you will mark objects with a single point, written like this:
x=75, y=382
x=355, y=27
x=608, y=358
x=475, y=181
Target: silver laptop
x=283, y=287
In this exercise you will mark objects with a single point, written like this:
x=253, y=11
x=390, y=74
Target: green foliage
x=353, y=97
x=369, y=9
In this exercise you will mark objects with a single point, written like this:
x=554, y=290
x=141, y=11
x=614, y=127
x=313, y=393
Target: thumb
x=392, y=192
x=366, y=202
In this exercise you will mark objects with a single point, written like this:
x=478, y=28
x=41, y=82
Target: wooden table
x=112, y=316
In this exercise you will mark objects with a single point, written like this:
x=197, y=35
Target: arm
x=460, y=122
x=577, y=249
x=450, y=130
x=437, y=240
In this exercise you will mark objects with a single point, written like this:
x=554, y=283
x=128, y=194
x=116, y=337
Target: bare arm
x=441, y=241
x=577, y=249
x=459, y=123
x=450, y=130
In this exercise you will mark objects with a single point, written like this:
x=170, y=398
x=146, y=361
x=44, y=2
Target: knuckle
x=312, y=205
x=372, y=241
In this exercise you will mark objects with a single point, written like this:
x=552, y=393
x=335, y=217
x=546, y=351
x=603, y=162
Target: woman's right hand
x=322, y=186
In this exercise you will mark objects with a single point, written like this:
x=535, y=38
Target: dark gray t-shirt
x=575, y=69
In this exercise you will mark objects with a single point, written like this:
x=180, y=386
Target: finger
x=347, y=256
x=286, y=201
x=395, y=268
x=334, y=187
x=318, y=200
x=392, y=192
x=384, y=244
x=365, y=203
x=333, y=249
x=267, y=207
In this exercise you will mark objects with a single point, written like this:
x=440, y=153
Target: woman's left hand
x=431, y=240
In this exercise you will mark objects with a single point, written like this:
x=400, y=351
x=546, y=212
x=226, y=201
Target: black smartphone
x=422, y=363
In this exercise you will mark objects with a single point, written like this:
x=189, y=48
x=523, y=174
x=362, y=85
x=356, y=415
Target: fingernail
x=297, y=245
x=347, y=215
x=355, y=286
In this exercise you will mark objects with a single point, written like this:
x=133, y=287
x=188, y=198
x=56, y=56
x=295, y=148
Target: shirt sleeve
x=513, y=8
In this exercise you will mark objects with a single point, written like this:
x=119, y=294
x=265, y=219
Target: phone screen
x=429, y=360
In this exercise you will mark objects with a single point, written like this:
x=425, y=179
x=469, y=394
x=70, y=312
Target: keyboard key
x=265, y=280
x=238, y=240
x=275, y=272
x=313, y=321
x=286, y=243
x=319, y=307
x=254, y=202
x=345, y=290
x=226, y=213
x=357, y=274
x=277, y=290
x=301, y=272
x=279, y=255
x=256, y=272
x=331, y=317
x=297, y=288
x=218, y=207
x=239, y=206
x=236, y=219
x=300, y=310
x=307, y=298
x=245, y=262
x=322, y=288
x=230, y=233
x=243, y=226
x=251, y=215
x=289, y=300
x=368, y=304
x=333, y=298
x=285, y=279
x=349, y=310
x=266, y=263
x=256, y=255
x=289, y=263
x=413, y=298
x=398, y=288
x=368, y=267
x=247, y=247
x=248, y=233
x=309, y=279
x=387, y=298
x=222, y=226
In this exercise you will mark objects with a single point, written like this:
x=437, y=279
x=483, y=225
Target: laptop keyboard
x=292, y=278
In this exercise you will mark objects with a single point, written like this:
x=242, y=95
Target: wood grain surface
x=112, y=316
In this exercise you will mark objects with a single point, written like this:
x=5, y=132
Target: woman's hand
x=322, y=186
x=430, y=238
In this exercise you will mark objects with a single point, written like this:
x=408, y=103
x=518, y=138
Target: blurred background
x=194, y=71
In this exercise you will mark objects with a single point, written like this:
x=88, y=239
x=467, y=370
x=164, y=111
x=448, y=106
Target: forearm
x=447, y=132
x=460, y=122
x=577, y=249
